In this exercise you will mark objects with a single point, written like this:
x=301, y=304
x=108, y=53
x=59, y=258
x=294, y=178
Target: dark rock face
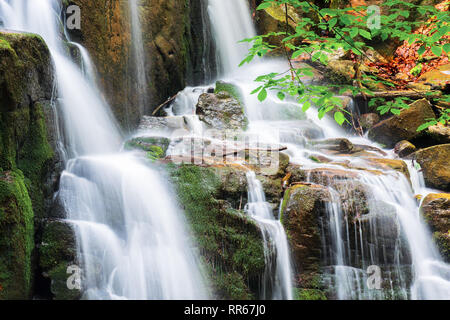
x=221, y=111
x=436, y=211
x=434, y=162
x=369, y=120
x=57, y=255
x=403, y=126
x=28, y=163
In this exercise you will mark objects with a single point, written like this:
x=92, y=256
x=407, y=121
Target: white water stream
x=133, y=242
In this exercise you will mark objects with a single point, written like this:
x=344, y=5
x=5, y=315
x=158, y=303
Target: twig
x=164, y=104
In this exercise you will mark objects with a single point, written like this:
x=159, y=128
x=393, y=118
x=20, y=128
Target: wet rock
x=341, y=145
x=162, y=124
x=404, y=126
x=232, y=89
x=369, y=120
x=404, y=148
x=57, y=256
x=302, y=208
x=436, y=210
x=154, y=147
x=390, y=164
x=221, y=111
x=434, y=162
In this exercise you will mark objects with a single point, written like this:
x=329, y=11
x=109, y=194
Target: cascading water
x=132, y=239
x=231, y=23
x=139, y=56
x=412, y=267
x=276, y=282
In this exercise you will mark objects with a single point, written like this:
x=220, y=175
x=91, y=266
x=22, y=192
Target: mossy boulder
x=154, y=147
x=229, y=241
x=221, y=111
x=58, y=252
x=434, y=162
x=232, y=89
x=435, y=209
x=403, y=126
x=16, y=237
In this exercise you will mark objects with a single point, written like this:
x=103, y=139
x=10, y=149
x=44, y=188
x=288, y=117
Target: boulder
x=404, y=148
x=340, y=71
x=435, y=209
x=435, y=166
x=154, y=147
x=404, y=126
x=302, y=207
x=162, y=124
x=221, y=111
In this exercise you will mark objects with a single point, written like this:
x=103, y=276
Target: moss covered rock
x=16, y=236
x=230, y=243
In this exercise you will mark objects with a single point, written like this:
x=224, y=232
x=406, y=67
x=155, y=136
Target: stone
x=221, y=111
x=435, y=166
x=404, y=126
x=435, y=209
x=404, y=148
x=162, y=124
x=301, y=209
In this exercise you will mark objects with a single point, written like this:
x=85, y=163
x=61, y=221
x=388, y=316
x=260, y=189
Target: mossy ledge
x=27, y=159
x=230, y=243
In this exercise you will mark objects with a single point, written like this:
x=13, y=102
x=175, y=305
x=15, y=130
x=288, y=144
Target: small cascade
x=276, y=282
x=231, y=23
x=139, y=56
x=132, y=240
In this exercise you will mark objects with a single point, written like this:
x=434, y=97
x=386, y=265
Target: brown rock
x=435, y=165
x=368, y=120
x=403, y=126
x=436, y=210
x=404, y=148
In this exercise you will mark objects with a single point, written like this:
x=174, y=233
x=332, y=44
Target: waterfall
x=276, y=283
x=139, y=56
x=231, y=22
x=132, y=239
x=414, y=268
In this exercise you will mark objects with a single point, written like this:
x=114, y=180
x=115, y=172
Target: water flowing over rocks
x=436, y=211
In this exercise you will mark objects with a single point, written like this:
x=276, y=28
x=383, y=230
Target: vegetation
x=322, y=32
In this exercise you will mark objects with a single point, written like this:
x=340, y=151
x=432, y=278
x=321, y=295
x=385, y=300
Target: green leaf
x=281, y=95
x=436, y=50
x=306, y=106
x=446, y=47
x=421, y=50
x=339, y=117
x=264, y=5
x=262, y=95
x=365, y=34
x=332, y=22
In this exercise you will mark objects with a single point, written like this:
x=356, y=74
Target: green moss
x=232, y=89
x=17, y=236
x=230, y=242
x=309, y=294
